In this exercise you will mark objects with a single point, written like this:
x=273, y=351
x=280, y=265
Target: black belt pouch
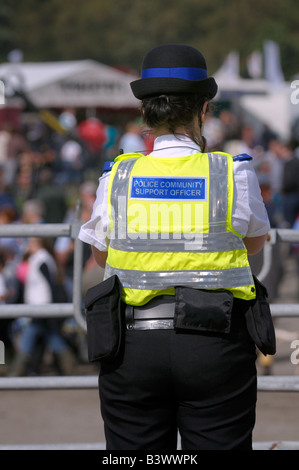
x=104, y=320
x=259, y=320
x=203, y=310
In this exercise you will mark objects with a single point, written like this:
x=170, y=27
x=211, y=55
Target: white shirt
x=249, y=216
x=37, y=290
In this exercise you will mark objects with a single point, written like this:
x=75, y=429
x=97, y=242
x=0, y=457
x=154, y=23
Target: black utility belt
x=189, y=309
x=157, y=314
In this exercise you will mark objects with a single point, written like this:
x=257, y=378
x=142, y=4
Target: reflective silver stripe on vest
x=119, y=192
x=178, y=243
x=203, y=279
x=218, y=193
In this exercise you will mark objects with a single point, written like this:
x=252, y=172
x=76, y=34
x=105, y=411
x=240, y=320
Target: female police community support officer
x=179, y=217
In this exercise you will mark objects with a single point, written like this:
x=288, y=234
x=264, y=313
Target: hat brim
x=146, y=87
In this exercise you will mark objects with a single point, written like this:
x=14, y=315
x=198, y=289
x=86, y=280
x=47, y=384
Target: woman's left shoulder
x=243, y=164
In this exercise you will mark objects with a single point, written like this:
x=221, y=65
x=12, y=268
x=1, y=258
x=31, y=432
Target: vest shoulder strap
x=125, y=156
x=107, y=166
x=242, y=157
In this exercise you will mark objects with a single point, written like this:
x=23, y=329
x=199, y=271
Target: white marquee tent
x=268, y=104
x=84, y=83
x=273, y=110
x=266, y=100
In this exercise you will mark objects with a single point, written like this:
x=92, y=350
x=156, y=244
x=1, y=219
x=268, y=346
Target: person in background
x=40, y=287
x=290, y=188
x=33, y=212
x=4, y=322
x=64, y=246
x=52, y=197
x=131, y=140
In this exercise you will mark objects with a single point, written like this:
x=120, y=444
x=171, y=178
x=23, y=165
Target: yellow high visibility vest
x=171, y=224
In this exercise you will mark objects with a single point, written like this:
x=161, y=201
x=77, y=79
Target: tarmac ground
x=61, y=417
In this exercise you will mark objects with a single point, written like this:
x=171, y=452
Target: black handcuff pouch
x=203, y=310
x=103, y=308
x=259, y=320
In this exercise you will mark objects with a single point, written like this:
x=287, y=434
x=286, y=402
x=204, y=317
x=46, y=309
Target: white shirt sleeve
x=95, y=232
x=249, y=217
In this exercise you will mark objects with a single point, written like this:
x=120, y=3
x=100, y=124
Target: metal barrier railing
x=75, y=309
x=276, y=236
x=282, y=383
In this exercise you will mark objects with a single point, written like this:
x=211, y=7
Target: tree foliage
x=120, y=32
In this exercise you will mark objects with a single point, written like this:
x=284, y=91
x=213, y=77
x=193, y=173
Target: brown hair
x=174, y=111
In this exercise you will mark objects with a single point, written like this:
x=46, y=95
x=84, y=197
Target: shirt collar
x=180, y=145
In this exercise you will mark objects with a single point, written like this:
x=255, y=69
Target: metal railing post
x=77, y=270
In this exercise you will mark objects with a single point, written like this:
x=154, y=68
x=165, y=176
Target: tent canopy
x=84, y=83
x=273, y=110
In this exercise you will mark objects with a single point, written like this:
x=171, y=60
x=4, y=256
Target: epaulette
x=107, y=166
x=242, y=157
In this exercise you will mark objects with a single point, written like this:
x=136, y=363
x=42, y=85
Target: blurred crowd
x=43, y=173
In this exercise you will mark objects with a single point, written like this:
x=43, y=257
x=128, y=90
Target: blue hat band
x=186, y=73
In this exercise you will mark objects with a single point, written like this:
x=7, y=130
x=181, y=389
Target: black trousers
x=199, y=384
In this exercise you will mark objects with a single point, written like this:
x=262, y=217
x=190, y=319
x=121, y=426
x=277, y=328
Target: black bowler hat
x=174, y=68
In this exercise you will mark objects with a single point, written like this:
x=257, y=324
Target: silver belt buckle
x=163, y=324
